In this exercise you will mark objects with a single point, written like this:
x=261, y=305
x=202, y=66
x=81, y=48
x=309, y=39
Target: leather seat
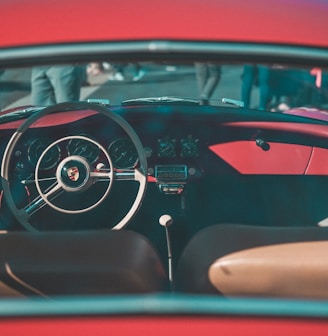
x=242, y=260
x=79, y=263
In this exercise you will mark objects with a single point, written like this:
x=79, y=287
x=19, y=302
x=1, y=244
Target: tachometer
x=83, y=148
x=123, y=153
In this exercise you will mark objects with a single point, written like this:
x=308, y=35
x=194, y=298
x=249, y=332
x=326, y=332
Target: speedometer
x=123, y=153
x=36, y=147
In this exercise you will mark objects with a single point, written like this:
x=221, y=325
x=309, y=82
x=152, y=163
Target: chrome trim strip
x=83, y=51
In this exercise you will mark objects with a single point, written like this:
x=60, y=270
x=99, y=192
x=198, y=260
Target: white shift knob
x=165, y=220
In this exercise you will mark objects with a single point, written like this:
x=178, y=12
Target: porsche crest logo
x=73, y=173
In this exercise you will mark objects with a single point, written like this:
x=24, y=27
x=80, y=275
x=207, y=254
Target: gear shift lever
x=166, y=221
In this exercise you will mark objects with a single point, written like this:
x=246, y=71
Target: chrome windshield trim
x=143, y=49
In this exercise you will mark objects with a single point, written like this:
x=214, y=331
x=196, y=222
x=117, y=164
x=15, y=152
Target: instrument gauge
x=35, y=149
x=189, y=147
x=123, y=153
x=83, y=148
x=166, y=147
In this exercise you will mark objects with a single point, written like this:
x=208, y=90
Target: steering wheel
x=74, y=174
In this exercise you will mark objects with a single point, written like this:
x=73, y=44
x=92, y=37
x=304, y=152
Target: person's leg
x=201, y=76
x=42, y=93
x=66, y=81
x=139, y=72
x=303, y=84
x=247, y=84
x=214, y=76
x=263, y=73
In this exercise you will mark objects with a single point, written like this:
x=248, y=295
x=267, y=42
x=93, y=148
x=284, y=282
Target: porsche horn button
x=73, y=173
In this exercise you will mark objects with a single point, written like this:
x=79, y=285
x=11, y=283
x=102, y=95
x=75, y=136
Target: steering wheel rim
x=140, y=173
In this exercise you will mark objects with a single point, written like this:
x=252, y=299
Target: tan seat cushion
x=298, y=270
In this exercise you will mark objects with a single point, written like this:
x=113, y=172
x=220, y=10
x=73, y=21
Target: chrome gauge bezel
x=167, y=147
x=90, y=151
x=189, y=147
x=35, y=149
x=123, y=153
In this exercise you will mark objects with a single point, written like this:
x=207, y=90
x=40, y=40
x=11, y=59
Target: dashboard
x=177, y=145
x=194, y=152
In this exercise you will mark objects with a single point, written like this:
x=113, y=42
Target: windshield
x=269, y=87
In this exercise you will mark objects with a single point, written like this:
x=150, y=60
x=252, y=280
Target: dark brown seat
x=241, y=260
x=79, y=263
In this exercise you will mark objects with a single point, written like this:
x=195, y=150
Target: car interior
x=162, y=195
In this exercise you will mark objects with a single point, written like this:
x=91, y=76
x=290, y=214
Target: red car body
x=283, y=22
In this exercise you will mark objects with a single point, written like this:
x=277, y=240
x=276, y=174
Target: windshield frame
x=164, y=50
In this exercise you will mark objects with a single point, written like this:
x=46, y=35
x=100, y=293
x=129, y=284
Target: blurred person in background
x=255, y=75
x=56, y=84
x=208, y=76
